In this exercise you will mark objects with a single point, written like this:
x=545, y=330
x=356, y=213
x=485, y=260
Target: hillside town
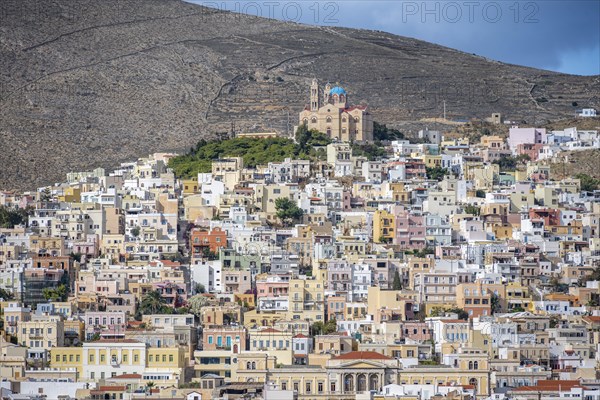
x=345, y=262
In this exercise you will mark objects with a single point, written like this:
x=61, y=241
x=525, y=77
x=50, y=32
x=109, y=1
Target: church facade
x=330, y=113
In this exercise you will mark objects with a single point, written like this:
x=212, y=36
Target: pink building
x=519, y=136
x=531, y=150
x=410, y=231
x=174, y=294
x=416, y=330
x=223, y=337
x=271, y=287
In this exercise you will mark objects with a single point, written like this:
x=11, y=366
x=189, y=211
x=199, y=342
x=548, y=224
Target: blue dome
x=337, y=90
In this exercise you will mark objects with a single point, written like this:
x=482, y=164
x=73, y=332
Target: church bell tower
x=314, y=95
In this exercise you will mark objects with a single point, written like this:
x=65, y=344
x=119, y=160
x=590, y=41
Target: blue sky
x=556, y=35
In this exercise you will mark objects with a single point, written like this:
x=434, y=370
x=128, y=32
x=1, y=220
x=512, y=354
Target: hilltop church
x=332, y=115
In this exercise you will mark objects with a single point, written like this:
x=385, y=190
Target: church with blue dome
x=330, y=112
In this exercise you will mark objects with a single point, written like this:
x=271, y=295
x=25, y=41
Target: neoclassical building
x=332, y=114
x=342, y=377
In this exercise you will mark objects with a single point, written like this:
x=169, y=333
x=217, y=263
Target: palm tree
x=152, y=303
x=149, y=386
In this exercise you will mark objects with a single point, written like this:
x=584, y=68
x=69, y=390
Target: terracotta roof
x=270, y=330
x=352, y=108
x=593, y=319
x=112, y=388
x=551, y=386
x=362, y=355
x=300, y=336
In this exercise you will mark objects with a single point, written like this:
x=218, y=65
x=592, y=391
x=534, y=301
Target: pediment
x=358, y=364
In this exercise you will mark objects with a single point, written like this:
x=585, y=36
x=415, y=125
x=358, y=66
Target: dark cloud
x=562, y=36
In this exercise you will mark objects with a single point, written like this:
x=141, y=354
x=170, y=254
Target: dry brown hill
x=87, y=83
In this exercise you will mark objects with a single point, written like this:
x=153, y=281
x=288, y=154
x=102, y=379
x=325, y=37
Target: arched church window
x=342, y=98
x=344, y=119
x=328, y=131
x=328, y=118
x=357, y=120
x=313, y=120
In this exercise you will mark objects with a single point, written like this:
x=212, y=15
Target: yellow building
x=71, y=194
x=493, y=142
x=383, y=226
x=109, y=358
x=518, y=296
x=190, y=186
x=64, y=358
x=306, y=300
x=432, y=161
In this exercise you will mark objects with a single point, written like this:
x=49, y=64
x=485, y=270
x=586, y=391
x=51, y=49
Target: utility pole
x=287, y=126
x=444, y=109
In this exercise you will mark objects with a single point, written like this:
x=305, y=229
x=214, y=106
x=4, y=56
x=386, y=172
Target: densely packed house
x=427, y=272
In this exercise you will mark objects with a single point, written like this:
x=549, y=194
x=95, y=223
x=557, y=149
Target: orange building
x=202, y=240
x=474, y=298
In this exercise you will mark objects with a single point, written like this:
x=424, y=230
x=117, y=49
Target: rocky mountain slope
x=87, y=83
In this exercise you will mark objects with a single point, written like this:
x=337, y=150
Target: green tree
x=199, y=288
x=471, y=209
x=287, y=211
x=441, y=311
x=382, y=132
x=46, y=195
x=60, y=293
x=588, y=183
x=149, y=386
x=436, y=173
x=370, y=151
x=510, y=163
x=308, y=138
x=495, y=304
x=6, y=295
x=152, y=303
x=76, y=256
x=397, y=283
x=10, y=217
x=320, y=328
x=424, y=252
x=135, y=231
x=197, y=303
x=480, y=193
x=254, y=152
